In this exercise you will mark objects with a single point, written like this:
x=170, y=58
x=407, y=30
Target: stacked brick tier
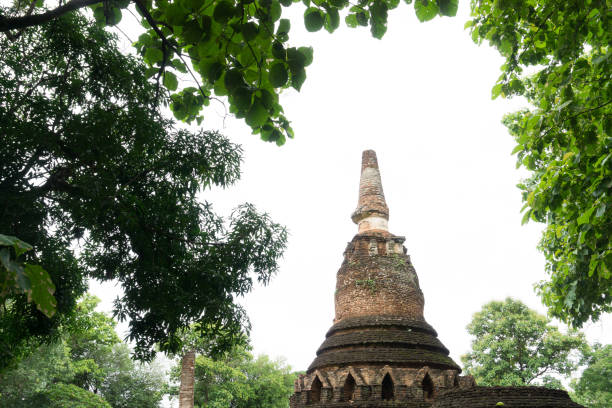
x=382, y=339
x=511, y=397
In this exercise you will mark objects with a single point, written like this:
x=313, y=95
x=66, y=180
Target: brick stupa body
x=380, y=351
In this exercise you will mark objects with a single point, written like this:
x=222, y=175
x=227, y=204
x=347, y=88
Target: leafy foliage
x=87, y=363
x=241, y=381
x=594, y=388
x=70, y=396
x=239, y=49
x=26, y=278
x=564, y=140
x=515, y=346
x=87, y=159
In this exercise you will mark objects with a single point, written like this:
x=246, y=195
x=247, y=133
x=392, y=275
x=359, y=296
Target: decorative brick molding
x=511, y=397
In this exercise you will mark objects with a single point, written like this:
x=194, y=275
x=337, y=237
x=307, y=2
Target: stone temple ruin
x=380, y=351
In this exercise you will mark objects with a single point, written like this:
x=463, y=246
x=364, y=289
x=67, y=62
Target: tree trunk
x=187, y=380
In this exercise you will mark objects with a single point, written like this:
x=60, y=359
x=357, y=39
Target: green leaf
x=278, y=51
x=362, y=19
x=257, y=115
x=448, y=7
x=378, y=12
x=307, y=53
x=517, y=149
x=192, y=33
x=233, y=80
x=283, y=26
x=214, y=71
x=170, y=81
x=425, y=9
x=295, y=59
x=15, y=270
x=351, y=20
x=99, y=15
x=378, y=30
x=332, y=19
x=586, y=216
x=42, y=289
x=19, y=245
x=297, y=79
x=249, y=31
x=275, y=10
x=496, y=91
x=175, y=14
x=242, y=98
x=278, y=75
x=153, y=55
x=313, y=19
x=526, y=217
x=113, y=17
x=224, y=11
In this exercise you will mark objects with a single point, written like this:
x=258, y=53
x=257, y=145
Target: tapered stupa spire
x=372, y=212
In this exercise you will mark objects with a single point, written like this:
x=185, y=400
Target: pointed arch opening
x=349, y=388
x=315, y=390
x=428, y=388
x=388, y=393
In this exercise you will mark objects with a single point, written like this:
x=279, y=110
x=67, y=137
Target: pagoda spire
x=372, y=212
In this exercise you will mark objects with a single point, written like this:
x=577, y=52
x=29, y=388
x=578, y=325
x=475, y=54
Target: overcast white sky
x=421, y=99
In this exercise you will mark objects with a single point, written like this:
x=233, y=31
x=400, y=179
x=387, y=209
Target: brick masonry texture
x=380, y=352
x=511, y=397
x=377, y=279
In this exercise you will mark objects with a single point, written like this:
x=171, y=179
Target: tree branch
x=13, y=23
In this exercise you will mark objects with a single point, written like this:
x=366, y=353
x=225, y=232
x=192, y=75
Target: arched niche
x=388, y=389
x=315, y=390
x=428, y=388
x=349, y=388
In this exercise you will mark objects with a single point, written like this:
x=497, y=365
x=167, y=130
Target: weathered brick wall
x=407, y=385
x=377, y=278
x=511, y=397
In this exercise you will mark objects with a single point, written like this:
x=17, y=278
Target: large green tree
x=594, y=388
x=239, y=380
x=88, y=161
x=514, y=345
x=87, y=366
x=233, y=48
x=558, y=57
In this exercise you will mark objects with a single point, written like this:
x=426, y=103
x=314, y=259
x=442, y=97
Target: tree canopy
x=234, y=48
x=564, y=140
x=594, y=387
x=87, y=366
x=557, y=56
x=515, y=346
x=239, y=380
x=88, y=161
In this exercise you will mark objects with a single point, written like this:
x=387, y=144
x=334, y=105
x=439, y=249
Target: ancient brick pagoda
x=380, y=351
